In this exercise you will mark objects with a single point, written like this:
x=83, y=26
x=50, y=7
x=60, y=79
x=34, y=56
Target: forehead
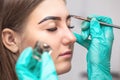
x=50, y=8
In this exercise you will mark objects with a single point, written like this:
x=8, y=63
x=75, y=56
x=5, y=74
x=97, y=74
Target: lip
x=67, y=54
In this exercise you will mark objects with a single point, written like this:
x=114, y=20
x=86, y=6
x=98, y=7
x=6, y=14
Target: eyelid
x=71, y=27
x=52, y=29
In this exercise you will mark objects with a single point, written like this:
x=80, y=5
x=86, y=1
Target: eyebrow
x=52, y=18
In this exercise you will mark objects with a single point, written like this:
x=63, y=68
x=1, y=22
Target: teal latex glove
x=32, y=67
x=99, y=47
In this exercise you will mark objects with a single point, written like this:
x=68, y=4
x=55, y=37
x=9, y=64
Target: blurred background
x=84, y=8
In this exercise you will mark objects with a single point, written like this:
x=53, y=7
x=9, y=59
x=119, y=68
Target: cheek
x=55, y=44
x=30, y=40
x=27, y=41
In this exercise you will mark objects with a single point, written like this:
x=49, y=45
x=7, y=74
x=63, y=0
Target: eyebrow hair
x=49, y=18
x=52, y=18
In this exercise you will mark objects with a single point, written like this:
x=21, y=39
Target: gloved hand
x=32, y=65
x=98, y=39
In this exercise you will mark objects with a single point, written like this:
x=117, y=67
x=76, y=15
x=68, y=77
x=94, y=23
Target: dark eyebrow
x=49, y=18
x=52, y=18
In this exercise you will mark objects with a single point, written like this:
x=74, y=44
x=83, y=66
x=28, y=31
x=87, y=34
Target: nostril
x=71, y=46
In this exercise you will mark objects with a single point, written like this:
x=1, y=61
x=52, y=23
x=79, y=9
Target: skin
x=55, y=33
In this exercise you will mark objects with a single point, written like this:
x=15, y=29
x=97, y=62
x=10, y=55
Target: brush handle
x=102, y=23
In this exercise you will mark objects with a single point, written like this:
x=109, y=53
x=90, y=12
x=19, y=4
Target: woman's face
x=49, y=22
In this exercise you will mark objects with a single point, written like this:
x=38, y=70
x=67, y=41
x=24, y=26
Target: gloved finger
x=25, y=57
x=95, y=29
x=48, y=71
x=82, y=38
x=85, y=34
x=84, y=30
x=23, y=65
x=81, y=41
x=108, y=31
x=85, y=25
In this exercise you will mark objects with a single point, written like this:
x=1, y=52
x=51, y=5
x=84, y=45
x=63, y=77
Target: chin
x=63, y=69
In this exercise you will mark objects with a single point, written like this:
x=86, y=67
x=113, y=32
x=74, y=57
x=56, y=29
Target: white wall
x=85, y=8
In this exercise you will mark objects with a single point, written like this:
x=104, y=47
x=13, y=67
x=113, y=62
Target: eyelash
x=52, y=29
x=71, y=27
x=55, y=28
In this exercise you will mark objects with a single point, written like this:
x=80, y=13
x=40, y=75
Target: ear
x=9, y=38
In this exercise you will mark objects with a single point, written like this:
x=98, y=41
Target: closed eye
x=52, y=29
x=70, y=27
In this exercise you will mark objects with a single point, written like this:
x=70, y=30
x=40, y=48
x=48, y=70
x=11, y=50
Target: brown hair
x=13, y=13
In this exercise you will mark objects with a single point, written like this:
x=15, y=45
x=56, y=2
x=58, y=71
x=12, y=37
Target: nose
x=68, y=37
